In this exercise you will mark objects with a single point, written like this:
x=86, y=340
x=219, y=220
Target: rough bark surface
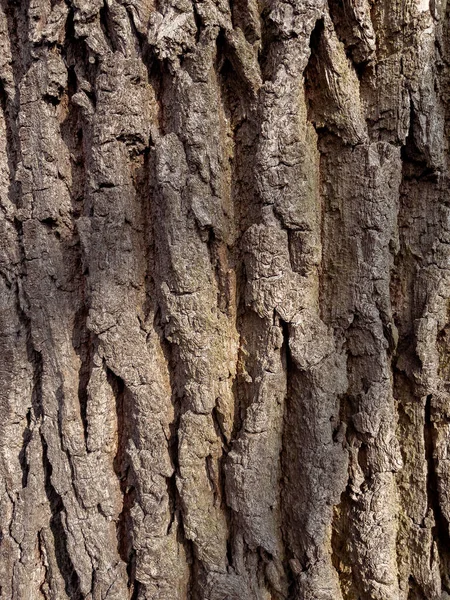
x=224, y=300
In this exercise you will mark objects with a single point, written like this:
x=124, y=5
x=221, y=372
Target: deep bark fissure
x=405, y=362
x=340, y=535
x=63, y=558
x=243, y=128
x=26, y=438
x=21, y=57
x=288, y=467
x=327, y=139
x=122, y=468
x=35, y=413
x=107, y=27
x=198, y=22
x=175, y=502
x=84, y=346
x=12, y=141
x=441, y=527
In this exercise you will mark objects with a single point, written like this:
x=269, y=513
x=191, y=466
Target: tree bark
x=224, y=300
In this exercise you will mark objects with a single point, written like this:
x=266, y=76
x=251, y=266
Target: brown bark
x=224, y=300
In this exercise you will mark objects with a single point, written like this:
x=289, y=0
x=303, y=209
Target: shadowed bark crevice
x=17, y=22
x=122, y=468
x=171, y=353
x=57, y=526
x=84, y=347
x=441, y=527
x=107, y=27
x=35, y=412
x=12, y=142
x=26, y=438
x=290, y=469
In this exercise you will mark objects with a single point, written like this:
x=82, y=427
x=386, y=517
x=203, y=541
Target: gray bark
x=224, y=300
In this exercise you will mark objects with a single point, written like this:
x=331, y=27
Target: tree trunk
x=224, y=300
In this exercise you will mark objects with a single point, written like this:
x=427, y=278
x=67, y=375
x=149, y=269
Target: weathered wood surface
x=224, y=300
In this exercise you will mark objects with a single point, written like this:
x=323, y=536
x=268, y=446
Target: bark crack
x=57, y=526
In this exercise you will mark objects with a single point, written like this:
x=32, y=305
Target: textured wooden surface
x=224, y=300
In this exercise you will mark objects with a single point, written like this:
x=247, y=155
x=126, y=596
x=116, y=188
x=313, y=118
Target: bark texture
x=224, y=300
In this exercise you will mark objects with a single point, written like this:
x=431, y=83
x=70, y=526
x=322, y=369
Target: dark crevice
x=219, y=477
x=18, y=27
x=63, y=559
x=231, y=4
x=124, y=474
x=156, y=68
x=198, y=22
x=80, y=66
x=50, y=222
x=51, y=99
x=238, y=91
x=315, y=80
x=12, y=142
x=240, y=129
x=212, y=477
x=136, y=589
x=242, y=17
x=71, y=129
x=416, y=165
x=157, y=73
x=288, y=362
x=272, y=46
x=198, y=574
x=26, y=438
x=108, y=27
x=323, y=102
x=415, y=592
x=172, y=493
x=170, y=352
x=238, y=390
x=348, y=30
x=441, y=528
x=218, y=421
x=219, y=256
x=289, y=465
x=35, y=359
x=409, y=299
x=60, y=400
x=316, y=39
x=84, y=347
